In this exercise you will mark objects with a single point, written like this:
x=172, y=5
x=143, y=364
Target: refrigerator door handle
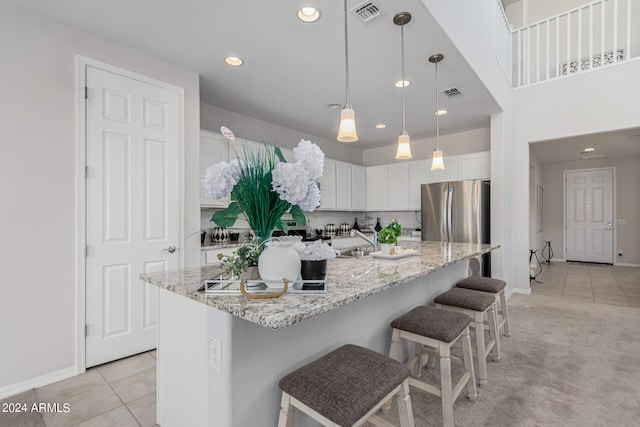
x=448, y=216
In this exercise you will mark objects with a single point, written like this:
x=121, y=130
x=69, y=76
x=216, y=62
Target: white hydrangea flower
x=291, y=181
x=317, y=251
x=219, y=179
x=311, y=156
x=312, y=200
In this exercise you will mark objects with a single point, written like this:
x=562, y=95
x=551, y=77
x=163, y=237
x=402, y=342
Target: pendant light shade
x=404, y=141
x=437, y=162
x=347, y=130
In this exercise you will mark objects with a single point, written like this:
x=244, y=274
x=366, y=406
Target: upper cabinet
x=377, y=188
x=398, y=187
x=343, y=186
x=213, y=149
x=358, y=188
x=451, y=171
x=327, y=183
x=418, y=175
x=475, y=165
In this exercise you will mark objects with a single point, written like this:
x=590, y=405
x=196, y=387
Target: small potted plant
x=314, y=260
x=388, y=237
x=244, y=261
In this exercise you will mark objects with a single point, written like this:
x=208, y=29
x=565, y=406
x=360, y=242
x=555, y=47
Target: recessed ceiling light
x=334, y=106
x=308, y=14
x=234, y=60
x=588, y=150
x=381, y=126
x=441, y=112
x=401, y=83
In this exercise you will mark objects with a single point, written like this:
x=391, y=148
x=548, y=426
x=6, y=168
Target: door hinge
x=86, y=330
x=86, y=92
x=86, y=250
x=86, y=172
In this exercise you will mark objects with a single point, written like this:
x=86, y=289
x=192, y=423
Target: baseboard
x=626, y=264
x=40, y=381
x=557, y=260
x=518, y=291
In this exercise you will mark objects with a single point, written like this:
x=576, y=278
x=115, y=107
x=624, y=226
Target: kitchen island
x=220, y=357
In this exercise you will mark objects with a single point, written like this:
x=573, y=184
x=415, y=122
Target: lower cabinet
x=210, y=257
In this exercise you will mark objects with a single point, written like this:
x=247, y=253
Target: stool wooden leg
x=446, y=385
x=467, y=355
x=405, y=409
x=495, y=333
x=286, y=411
x=395, y=353
x=482, y=352
x=505, y=313
x=417, y=367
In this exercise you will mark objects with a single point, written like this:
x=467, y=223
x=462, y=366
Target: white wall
x=212, y=118
x=627, y=204
x=600, y=101
x=38, y=172
x=535, y=180
x=472, y=141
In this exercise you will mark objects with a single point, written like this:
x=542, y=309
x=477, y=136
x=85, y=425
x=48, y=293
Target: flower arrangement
x=243, y=258
x=263, y=187
x=317, y=251
x=390, y=233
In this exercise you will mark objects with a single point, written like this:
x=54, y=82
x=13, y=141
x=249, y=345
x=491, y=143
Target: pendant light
x=404, y=142
x=347, y=131
x=437, y=162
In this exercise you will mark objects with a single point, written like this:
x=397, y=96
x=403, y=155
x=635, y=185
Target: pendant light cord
x=437, y=112
x=404, y=128
x=346, y=53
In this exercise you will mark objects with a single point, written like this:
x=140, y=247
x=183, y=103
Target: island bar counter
x=220, y=357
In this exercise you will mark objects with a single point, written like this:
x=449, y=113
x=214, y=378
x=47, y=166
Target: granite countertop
x=348, y=280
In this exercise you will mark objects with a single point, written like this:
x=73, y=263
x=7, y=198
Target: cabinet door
x=210, y=257
x=398, y=176
x=451, y=170
x=358, y=193
x=418, y=175
x=213, y=149
x=475, y=165
x=377, y=188
x=327, y=184
x=343, y=186
x=288, y=155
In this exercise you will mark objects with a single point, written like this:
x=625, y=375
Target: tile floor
x=120, y=393
x=591, y=283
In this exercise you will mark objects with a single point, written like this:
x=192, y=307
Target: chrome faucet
x=363, y=236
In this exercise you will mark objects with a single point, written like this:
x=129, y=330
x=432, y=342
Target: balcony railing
x=598, y=34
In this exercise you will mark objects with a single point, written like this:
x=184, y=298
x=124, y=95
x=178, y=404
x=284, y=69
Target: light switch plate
x=622, y=221
x=215, y=354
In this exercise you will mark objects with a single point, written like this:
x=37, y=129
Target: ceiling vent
x=367, y=11
x=592, y=156
x=451, y=92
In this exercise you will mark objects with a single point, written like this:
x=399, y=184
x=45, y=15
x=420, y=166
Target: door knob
x=170, y=249
x=609, y=227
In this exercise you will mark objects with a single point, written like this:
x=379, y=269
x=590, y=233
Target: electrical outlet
x=215, y=354
x=620, y=253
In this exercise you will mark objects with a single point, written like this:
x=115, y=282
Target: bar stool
x=492, y=286
x=476, y=304
x=345, y=388
x=439, y=330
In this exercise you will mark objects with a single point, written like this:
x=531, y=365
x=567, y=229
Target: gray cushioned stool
x=345, y=388
x=439, y=330
x=493, y=286
x=476, y=304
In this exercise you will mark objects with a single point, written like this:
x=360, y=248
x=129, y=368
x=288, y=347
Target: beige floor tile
x=73, y=386
x=613, y=301
x=631, y=292
x=120, y=417
x=609, y=291
x=628, y=284
x=25, y=418
x=117, y=370
x=135, y=386
x=577, y=294
x=144, y=409
x=577, y=298
x=84, y=407
x=605, y=284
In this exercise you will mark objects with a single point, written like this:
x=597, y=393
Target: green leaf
x=280, y=155
x=227, y=217
x=282, y=225
x=298, y=216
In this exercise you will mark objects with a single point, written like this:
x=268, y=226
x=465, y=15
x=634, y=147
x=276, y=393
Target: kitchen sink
x=354, y=252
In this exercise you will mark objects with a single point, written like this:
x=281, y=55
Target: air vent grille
x=451, y=92
x=592, y=156
x=367, y=11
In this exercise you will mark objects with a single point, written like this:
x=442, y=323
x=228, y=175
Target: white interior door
x=590, y=216
x=132, y=209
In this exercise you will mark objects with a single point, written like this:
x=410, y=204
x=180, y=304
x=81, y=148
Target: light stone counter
x=348, y=280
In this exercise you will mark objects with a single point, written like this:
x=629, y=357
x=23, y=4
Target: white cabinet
x=343, y=186
x=475, y=165
x=288, y=155
x=213, y=149
x=418, y=175
x=451, y=170
x=398, y=187
x=377, y=188
x=327, y=184
x=210, y=257
x=358, y=187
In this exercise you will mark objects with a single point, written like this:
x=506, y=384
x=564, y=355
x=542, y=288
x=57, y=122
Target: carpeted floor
x=565, y=364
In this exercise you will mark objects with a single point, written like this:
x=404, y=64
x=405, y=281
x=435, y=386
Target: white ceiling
x=293, y=69
x=611, y=144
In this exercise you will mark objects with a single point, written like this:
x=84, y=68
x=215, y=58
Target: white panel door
x=132, y=210
x=590, y=216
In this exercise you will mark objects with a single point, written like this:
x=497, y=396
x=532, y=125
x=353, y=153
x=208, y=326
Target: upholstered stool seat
x=346, y=387
x=493, y=286
x=476, y=304
x=437, y=330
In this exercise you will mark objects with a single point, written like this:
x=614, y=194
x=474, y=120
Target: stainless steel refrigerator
x=457, y=212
